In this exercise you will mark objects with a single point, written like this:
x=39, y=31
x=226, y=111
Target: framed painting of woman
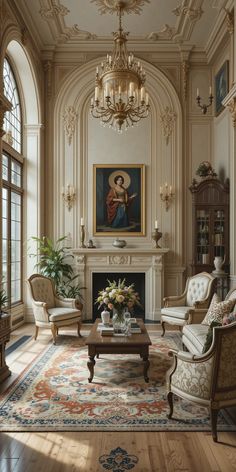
x=119, y=199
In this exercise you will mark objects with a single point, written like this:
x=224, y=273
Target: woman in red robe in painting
x=117, y=202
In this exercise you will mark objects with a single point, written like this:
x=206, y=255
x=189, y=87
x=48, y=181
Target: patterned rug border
x=173, y=425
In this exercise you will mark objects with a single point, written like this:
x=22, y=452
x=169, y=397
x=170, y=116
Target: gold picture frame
x=119, y=200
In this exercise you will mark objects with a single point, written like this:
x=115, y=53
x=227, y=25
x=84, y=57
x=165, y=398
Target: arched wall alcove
x=91, y=143
x=32, y=145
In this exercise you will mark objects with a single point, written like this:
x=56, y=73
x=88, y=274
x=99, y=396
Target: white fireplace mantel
x=148, y=261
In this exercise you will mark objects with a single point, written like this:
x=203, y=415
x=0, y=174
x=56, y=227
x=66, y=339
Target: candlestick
x=156, y=224
x=82, y=221
x=82, y=234
x=156, y=235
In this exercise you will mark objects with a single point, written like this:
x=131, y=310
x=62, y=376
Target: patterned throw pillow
x=217, y=310
x=229, y=318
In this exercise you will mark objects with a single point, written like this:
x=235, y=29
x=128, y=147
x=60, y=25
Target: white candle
x=82, y=221
x=197, y=92
x=131, y=89
x=147, y=99
x=156, y=224
x=96, y=93
x=143, y=94
x=170, y=188
x=210, y=90
x=119, y=90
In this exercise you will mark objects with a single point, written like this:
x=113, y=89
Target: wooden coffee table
x=137, y=343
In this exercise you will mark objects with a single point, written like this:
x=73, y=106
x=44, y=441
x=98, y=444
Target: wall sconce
x=68, y=195
x=166, y=194
x=204, y=107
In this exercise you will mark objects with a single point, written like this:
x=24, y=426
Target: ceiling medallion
x=128, y=6
x=120, y=97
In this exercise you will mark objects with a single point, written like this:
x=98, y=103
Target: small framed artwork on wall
x=119, y=199
x=221, y=87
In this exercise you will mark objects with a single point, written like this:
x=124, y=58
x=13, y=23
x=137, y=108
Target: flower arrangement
x=205, y=169
x=118, y=296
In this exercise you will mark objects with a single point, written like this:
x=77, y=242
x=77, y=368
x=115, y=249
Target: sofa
x=194, y=335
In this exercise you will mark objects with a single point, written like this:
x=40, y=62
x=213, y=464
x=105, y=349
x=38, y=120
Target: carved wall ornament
x=80, y=259
x=168, y=119
x=69, y=120
x=54, y=10
x=157, y=260
x=229, y=21
x=110, y=6
x=118, y=260
x=232, y=108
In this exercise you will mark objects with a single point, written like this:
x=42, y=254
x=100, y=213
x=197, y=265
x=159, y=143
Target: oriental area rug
x=53, y=393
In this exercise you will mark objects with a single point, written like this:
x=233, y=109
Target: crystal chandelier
x=120, y=97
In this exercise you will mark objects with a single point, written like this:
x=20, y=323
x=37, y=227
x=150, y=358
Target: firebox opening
x=100, y=281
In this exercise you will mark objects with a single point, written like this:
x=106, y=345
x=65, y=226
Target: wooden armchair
x=49, y=310
x=208, y=379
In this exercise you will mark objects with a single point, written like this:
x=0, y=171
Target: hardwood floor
x=80, y=452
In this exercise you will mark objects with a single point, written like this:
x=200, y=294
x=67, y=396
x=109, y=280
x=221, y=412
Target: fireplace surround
x=123, y=262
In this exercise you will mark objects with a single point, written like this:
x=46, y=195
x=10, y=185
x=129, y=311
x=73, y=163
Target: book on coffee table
x=135, y=328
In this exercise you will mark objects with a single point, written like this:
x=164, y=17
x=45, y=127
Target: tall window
x=12, y=192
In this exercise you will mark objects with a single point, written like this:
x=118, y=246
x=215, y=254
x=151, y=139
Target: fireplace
x=144, y=267
x=100, y=281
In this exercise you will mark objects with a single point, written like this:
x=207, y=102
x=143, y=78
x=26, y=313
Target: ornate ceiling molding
x=53, y=10
x=167, y=32
x=191, y=13
x=128, y=6
x=69, y=120
x=168, y=119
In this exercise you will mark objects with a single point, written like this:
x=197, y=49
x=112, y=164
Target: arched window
x=12, y=191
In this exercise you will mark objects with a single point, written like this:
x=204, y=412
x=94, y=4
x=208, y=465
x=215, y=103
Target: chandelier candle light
x=166, y=194
x=69, y=195
x=120, y=96
x=203, y=106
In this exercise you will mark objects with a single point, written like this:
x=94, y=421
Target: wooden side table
x=5, y=330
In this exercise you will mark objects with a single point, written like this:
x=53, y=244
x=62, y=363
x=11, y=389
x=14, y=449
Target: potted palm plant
x=53, y=263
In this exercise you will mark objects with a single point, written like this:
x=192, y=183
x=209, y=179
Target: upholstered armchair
x=208, y=379
x=191, y=306
x=49, y=310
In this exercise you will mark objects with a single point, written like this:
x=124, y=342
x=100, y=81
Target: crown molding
x=219, y=33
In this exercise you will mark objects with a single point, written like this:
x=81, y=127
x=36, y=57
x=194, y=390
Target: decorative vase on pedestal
x=218, y=263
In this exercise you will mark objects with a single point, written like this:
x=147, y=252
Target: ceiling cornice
x=218, y=36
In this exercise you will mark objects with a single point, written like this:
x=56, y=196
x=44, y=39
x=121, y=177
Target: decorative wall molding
x=185, y=71
x=229, y=21
x=69, y=120
x=110, y=6
x=168, y=119
x=47, y=65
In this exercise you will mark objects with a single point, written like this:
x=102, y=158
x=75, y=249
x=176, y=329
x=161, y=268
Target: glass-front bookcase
x=210, y=199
